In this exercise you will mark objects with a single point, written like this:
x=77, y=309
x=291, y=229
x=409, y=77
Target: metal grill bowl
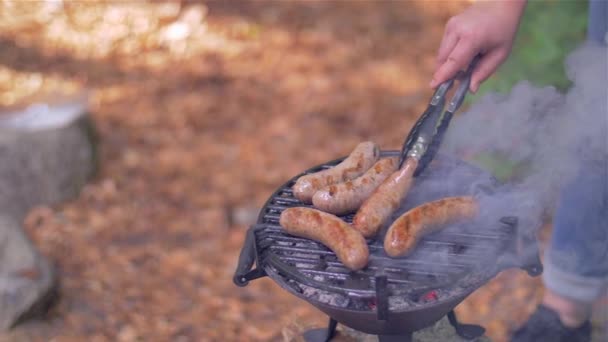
x=386, y=297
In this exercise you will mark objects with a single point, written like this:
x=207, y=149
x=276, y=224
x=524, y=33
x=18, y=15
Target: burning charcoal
x=397, y=303
x=318, y=278
x=332, y=299
x=301, y=255
x=430, y=296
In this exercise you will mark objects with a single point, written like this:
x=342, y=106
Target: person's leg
x=576, y=262
x=576, y=267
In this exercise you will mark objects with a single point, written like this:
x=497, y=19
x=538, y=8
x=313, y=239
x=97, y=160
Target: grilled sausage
x=403, y=235
x=359, y=161
x=346, y=197
x=348, y=245
x=384, y=200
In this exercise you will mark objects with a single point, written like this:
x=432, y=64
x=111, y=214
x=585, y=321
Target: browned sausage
x=384, y=200
x=346, y=197
x=359, y=161
x=348, y=245
x=409, y=228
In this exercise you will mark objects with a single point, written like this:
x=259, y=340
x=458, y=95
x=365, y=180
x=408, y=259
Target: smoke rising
x=551, y=133
x=554, y=134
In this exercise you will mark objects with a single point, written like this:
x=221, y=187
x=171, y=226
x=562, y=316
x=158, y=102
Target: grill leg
x=466, y=331
x=322, y=334
x=395, y=338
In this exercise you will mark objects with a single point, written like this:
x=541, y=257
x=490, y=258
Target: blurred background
x=199, y=110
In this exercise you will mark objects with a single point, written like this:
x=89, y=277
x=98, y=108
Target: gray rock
x=47, y=154
x=26, y=279
x=244, y=215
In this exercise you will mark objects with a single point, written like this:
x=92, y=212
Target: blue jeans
x=576, y=263
x=577, y=259
x=597, y=21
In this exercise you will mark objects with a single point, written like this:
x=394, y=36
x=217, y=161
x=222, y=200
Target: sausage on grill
x=348, y=244
x=403, y=235
x=359, y=161
x=346, y=197
x=384, y=200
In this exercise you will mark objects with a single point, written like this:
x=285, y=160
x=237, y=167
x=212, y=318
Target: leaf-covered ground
x=202, y=110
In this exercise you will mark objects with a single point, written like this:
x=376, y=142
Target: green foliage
x=501, y=167
x=549, y=31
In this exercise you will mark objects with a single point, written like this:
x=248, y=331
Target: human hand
x=486, y=28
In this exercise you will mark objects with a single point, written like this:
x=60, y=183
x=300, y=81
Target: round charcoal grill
x=390, y=296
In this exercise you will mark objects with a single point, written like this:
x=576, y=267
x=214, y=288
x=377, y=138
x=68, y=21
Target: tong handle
x=425, y=137
x=441, y=91
x=463, y=88
x=435, y=143
x=426, y=121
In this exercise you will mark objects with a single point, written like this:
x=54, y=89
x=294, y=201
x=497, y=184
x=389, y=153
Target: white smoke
x=552, y=133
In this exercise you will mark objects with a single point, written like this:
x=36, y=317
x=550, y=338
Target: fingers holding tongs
x=424, y=139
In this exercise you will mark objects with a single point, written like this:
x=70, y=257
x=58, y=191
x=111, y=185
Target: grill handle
x=524, y=249
x=530, y=255
x=244, y=273
x=466, y=331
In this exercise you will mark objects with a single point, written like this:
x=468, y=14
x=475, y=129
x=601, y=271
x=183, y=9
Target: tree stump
x=47, y=153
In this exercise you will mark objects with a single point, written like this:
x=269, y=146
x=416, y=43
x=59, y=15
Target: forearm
x=511, y=8
x=517, y=6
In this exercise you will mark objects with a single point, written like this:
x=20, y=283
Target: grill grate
x=440, y=260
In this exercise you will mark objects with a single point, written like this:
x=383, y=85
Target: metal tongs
x=424, y=139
